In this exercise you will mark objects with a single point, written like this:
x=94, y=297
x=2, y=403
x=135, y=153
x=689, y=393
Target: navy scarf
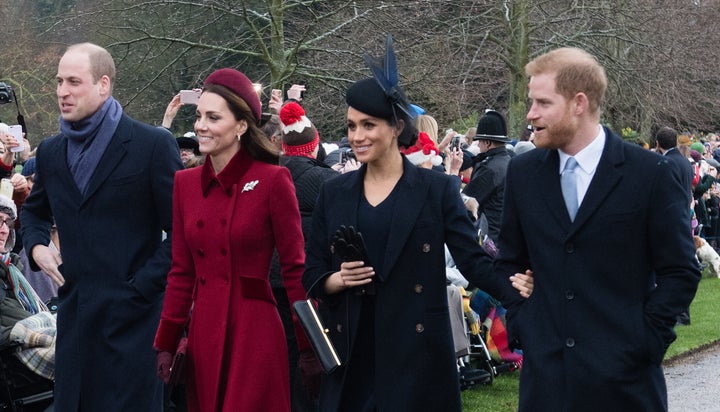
x=88, y=139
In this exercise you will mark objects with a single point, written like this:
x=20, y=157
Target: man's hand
x=49, y=260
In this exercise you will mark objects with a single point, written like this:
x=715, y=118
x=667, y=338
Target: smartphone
x=189, y=96
x=6, y=188
x=16, y=131
x=455, y=142
x=277, y=93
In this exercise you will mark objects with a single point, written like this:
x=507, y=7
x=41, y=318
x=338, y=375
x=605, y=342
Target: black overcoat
x=115, y=264
x=607, y=285
x=415, y=368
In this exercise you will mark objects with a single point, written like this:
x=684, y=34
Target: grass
x=502, y=395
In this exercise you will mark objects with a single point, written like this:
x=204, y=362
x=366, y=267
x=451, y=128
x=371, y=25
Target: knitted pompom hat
x=300, y=138
x=423, y=150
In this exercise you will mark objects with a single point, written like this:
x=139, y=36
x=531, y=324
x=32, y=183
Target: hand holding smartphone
x=16, y=132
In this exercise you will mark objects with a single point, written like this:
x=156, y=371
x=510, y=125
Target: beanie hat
x=240, y=85
x=695, y=155
x=423, y=150
x=698, y=147
x=300, y=138
x=29, y=167
x=491, y=126
x=189, y=143
x=523, y=146
x=8, y=207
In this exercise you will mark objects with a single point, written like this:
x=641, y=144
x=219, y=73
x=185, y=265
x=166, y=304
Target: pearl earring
x=239, y=137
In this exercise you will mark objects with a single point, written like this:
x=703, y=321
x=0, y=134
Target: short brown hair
x=576, y=71
x=101, y=62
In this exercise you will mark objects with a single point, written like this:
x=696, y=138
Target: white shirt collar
x=589, y=157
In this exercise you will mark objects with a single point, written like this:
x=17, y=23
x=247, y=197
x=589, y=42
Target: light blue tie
x=568, y=182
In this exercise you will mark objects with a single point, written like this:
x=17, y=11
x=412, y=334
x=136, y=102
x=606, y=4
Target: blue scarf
x=88, y=139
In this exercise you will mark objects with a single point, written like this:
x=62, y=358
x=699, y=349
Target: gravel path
x=693, y=382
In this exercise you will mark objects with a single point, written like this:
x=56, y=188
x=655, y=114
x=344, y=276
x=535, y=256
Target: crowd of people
x=144, y=239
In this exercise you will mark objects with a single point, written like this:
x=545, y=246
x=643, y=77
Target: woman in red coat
x=228, y=216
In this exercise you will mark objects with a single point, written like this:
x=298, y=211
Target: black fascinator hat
x=382, y=96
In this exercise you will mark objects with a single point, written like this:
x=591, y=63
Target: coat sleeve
x=36, y=214
x=180, y=281
x=462, y=241
x=287, y=230
x=150, y=279
x=677, y=272
x=513, y=255
x=318, y=263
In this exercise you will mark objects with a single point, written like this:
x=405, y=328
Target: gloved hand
x=311, y=372
x=350, y=245
x=164, y=361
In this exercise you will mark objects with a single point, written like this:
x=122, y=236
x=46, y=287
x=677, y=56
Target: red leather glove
x=164, y=361
x=311, y=372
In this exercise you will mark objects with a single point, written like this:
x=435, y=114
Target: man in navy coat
x=106, y=182
x=608, y=283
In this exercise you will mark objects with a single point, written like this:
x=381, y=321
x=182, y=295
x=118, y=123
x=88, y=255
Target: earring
x=239, y=137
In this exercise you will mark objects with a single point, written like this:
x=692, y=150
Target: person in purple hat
x=229, y=215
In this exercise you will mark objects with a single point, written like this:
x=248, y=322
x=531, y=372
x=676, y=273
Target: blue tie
x=568, y=182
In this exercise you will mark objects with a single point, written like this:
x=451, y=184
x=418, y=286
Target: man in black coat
x=487, y=183
x=609, y=246
x=106, y=182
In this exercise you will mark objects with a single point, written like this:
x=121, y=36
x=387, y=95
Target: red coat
x=225, y=230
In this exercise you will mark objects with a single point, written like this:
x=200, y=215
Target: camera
x=6, y=93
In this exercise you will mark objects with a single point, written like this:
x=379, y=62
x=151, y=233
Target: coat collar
x=606, y=177
x=229, y=176
x=411, y=189
x=114, y=154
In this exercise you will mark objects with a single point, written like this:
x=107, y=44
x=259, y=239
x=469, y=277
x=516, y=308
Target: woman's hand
x=524, y=283
x=351, y=274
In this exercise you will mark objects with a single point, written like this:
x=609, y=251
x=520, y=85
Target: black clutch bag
x=317, y=334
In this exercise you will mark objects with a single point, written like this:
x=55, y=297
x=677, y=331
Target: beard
x=558, y=135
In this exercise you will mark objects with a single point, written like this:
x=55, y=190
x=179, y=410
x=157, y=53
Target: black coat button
x=570, y=342
x=569, y=295
x=418, y=288
x=426, y=247
x=569, y=247
x=419, y=328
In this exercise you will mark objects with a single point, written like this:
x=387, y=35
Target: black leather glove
x=349, y=244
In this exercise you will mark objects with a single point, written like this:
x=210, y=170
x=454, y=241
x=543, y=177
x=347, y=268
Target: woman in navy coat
x=389, y=319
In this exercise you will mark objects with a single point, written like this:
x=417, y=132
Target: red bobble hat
x=423, y=150
x=240, y=85
x=300, y=138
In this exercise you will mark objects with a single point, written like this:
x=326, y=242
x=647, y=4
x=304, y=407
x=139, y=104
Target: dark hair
x=253, y=140
x=666, y=138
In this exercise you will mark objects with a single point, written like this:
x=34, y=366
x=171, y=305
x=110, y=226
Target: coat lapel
x=606, y=177
x=58, y=152
x=114, y=153
x=551, y=194
x=411, y=192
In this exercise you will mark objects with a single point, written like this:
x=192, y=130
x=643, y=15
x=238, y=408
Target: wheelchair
x=21, y=389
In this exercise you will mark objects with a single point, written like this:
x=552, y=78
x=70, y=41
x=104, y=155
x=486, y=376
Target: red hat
x=423, y=150
x=300, y=138
x=240, y=85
